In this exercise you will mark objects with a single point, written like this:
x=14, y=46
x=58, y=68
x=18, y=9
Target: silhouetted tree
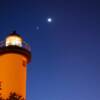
x=13, y=96
x=1, y=98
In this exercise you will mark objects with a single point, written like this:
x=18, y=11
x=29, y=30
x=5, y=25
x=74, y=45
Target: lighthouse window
x=14, y=40
x=24, y=63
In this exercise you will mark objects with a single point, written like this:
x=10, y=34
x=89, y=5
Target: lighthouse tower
x=15, y=54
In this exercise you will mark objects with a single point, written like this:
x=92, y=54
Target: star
x=37, y=27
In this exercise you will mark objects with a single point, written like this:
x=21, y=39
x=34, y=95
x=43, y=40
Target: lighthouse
x=15, y=54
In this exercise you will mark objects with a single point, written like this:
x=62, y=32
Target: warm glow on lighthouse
x=15, y=54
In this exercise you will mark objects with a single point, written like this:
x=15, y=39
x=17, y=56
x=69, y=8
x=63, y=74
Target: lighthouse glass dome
x=14, y=40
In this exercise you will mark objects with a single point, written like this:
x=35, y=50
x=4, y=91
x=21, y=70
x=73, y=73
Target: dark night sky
x=65, y=53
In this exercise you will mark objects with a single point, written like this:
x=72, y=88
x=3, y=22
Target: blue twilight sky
x=65, y=53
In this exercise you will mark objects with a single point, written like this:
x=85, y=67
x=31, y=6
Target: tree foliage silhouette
x=13, y=96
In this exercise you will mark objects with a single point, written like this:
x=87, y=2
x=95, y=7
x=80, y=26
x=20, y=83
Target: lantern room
x=14, y=40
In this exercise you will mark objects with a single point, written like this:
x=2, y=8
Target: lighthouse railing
x=2, y=44
x=24, y=45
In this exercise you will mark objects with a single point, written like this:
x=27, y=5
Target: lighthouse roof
x=14, y=34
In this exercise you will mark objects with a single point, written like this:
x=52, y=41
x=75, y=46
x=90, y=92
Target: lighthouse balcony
x=23, y=48
x=23, y=45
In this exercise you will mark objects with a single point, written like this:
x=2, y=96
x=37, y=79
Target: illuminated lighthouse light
x=14, y=40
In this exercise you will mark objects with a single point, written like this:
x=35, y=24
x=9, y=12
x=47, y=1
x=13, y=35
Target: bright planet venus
x=49, y=20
